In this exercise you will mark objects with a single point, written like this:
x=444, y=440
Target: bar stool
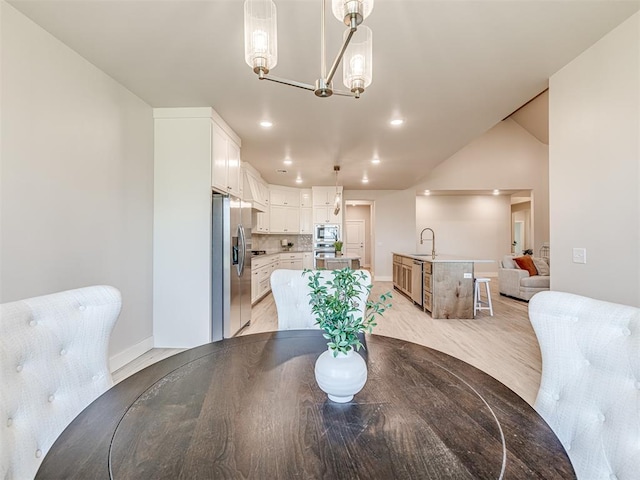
x=478, y=303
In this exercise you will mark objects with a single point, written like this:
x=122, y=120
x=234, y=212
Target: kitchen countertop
x=444, y=258
x=333, y=255
x=278, y=252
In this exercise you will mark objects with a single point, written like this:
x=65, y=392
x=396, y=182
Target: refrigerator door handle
x=243, y=249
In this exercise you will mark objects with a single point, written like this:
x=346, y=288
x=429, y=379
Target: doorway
x=358, y=233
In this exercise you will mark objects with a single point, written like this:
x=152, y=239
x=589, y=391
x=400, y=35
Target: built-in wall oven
x=323, y=238
x=326, y=233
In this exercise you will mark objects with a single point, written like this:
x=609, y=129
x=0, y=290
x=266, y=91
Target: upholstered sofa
x=516, y=282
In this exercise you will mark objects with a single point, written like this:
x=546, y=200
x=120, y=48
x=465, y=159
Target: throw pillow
x=507, y=262
x=526, y=263
x=541, y=266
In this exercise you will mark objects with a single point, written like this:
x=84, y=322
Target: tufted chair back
x=53, y=363
x=291, y=293
x=590, y=390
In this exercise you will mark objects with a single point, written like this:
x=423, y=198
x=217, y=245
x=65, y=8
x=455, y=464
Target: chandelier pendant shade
x=261, y=46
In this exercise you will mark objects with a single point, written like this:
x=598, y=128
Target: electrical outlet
x=467, y=275
x=579, y=255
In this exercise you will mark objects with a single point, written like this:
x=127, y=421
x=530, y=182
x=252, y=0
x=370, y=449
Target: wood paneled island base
x=447, y=283
x=249, y=408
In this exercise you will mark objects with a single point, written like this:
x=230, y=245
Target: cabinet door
x=321, y=215
x=234, y=185
x=219, y=157
x=307, y=260
x=306, y=221
x=322, y=196
x=277, y=219
x=262, y=222
x=305, y=198
x=292, y=198
x=277, y=196
x=255, y=285
x=293, y=220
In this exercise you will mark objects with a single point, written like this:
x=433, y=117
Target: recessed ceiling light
x=298, y=180
x=266, y=124
x=375, y=161
x=287, y=161
x=427, y=192
x=496, y=192
x=396, y=121
x=365, y=180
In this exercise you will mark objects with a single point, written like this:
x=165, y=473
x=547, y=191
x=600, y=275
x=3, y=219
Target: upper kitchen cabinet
x=325, y=196
x=327, y=215
x=226, y=172
x=284, y=196
x=306, y=199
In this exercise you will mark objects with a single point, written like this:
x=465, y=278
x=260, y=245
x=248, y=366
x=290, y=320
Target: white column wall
x=594, y=159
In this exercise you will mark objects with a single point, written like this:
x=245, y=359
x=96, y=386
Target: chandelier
x=261, y=46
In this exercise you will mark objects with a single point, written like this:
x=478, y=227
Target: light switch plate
x=579, y=255
x=467, y=275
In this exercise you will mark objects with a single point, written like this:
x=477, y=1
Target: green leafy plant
x=335, y=304
x=338, y=245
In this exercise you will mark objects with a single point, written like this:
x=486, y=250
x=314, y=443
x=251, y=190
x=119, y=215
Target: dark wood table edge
x=112, y=406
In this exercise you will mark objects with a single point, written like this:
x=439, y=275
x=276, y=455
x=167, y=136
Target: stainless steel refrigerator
x=231, y=265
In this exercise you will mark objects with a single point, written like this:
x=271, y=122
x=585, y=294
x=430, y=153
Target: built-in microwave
x=325, y=233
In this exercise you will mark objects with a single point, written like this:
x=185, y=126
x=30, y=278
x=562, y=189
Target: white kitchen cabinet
x=284, y=219
x=306, y=198
x=325, y=215
x=291, y=260
x=325, y=196
x=185, y=154
x=307, y=260
x=261, y=222
x=225, y=162
x=284, y=196
x=306, y=221
x=261, y=269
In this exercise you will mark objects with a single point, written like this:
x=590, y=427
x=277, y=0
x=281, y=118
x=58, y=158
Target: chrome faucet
x=433, y=240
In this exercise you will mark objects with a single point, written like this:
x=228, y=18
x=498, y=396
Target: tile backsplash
x=273, y=243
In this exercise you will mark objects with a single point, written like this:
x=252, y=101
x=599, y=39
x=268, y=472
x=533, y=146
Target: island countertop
x=444, y=258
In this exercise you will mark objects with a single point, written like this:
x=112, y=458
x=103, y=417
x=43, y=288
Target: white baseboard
x=383, y=278
x=119, y=360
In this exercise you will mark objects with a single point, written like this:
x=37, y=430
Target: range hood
x=256, y=192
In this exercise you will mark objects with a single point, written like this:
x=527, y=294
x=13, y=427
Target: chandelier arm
x=344, y=93
x=338, y=59
x=284, y=81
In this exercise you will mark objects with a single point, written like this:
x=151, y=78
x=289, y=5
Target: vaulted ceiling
x=450, y=69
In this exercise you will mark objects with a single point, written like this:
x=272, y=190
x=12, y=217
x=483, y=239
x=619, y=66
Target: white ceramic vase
x=341, y=377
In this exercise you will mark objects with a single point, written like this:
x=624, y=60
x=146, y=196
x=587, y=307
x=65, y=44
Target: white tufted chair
x=590, y=390
x=53, y=363
x=291, y=293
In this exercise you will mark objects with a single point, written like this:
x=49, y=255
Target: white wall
x=473, y=226
x=506, y=157
x=76, y=180
x=394, y=217
x=594, y=158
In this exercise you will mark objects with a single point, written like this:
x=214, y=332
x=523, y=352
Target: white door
x=355, y=239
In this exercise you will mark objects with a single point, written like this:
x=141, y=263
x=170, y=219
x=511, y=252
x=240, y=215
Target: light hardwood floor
x=504, y=346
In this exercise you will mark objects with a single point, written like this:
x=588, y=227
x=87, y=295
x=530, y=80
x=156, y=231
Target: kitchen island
x=324, y=260
x=442, y=285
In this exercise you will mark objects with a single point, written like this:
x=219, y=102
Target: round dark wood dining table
x=249, y=407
